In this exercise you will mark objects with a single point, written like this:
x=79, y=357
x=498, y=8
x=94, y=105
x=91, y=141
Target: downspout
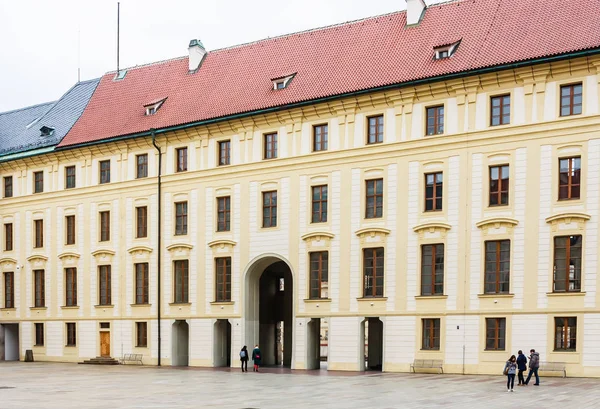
x=159, y=250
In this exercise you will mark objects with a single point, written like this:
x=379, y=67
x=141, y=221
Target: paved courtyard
x=50, y=385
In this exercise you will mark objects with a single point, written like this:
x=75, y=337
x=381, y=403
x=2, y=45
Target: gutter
x=463, y=74
x=159, y=249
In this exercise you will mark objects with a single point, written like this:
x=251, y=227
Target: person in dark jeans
x=534, y=364
x=244, y=357
x=522, y=365
x=510, y=369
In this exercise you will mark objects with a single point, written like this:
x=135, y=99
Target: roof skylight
x=282, y=82
x=446, y=50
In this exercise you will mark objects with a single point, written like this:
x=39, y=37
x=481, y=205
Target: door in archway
x=105, y=344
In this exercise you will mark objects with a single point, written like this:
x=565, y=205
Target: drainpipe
x=159, y=250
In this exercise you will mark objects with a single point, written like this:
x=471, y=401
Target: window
x=500, y=112
x=39, y=334
x=105, y=171
x=223, y=213
x=497, y=267
x=319, y=272
x=8, y=237
x=499, y=179
x=432, y=269
x=280, y=85
x=141, y=283
x=105, y=285
x=223, y=272
x=9, y=289
x=8, y=186
x=141, y=166
x=567, y=264
x=269, y=209
x=181, y=221
x=181, y=281
x=495, y=333
x=181, y=154
x=71, y=287
x=565, y=333
x=375, y=129
x=39, y=233
x=569, y=178
x=571, y=99
x=105, y=226
x=434, y=189
x=374, y=203
x=320, y=138
x=38, y=182
x=373, y=272
x=141, y=216
x=224, y=153
x=70, y=230
x=141, y=330
x=431, y=334
x=435, y=120
x=105, y=325
x=71, y=334
x=40, y=288
x=270, y=146
x=69, y=177
x=319, y=204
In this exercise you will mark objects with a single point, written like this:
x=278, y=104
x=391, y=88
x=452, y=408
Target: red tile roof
x=335, y=60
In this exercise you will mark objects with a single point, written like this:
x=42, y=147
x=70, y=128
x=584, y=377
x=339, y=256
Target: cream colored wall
x=531, y=145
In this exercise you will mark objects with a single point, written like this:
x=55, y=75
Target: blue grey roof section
x=20, y=129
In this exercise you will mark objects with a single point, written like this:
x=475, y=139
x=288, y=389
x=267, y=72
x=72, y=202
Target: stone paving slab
x=53, y=385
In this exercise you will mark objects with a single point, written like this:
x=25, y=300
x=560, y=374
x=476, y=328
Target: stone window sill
x=140, y=305
x=70, y=307
x=431, y=297
x=104, y=306
x=38, y=308
x=8, y=309
x=567, y=294
x=180, y=304
x=372, y=298
x=500, y=295
x=318, y=300
x=222, y=303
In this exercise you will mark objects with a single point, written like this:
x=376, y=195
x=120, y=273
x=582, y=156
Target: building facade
x=452, y=218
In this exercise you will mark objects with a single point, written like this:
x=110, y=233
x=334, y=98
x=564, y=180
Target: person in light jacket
x=534, y=364
x=510, y=369
x=522, y=366
x=256, y=357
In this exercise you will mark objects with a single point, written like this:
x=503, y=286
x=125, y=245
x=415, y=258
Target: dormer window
x=282, y=82
x=153, y=106
x=120, y=75
x=445, y=51
x=46, y=131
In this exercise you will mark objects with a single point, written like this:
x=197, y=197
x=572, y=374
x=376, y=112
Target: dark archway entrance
x=180, y=338
x=269, y=310
x=222, y=344
x=9, y=342
x=371, y=354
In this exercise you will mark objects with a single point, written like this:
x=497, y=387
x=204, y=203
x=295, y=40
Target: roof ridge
x=27, y=107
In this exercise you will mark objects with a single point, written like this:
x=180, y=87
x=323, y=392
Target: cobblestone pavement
x=52, y=385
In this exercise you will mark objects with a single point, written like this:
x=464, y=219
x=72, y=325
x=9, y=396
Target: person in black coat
x=244, y=357
x=522, y=365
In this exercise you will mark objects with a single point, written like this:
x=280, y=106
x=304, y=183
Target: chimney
x=197, y=53
x=414, y=11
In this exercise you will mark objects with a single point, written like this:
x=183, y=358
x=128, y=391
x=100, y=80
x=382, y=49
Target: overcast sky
x=43, y=42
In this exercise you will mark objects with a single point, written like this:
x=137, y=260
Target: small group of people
x=520, y=363
x=256, y=358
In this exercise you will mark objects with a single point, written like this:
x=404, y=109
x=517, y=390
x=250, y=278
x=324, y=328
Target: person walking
x=522, y=366
x=510, y=370
x=244, y=358
x=256, y=357
x=534, y=364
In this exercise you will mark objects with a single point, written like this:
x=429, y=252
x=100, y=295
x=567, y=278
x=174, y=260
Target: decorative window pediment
x=139, y=249
x=68, y=257
x=180, y=250
x=497, y=225
x=318, y=239
x=8, y=263
x=372, y=235
x=432, y=230
x=568, y=221
x=104, y=255
x=222, y=245
x=37, y=260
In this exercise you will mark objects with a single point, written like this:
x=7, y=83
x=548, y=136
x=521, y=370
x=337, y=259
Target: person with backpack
x=256, y=357
x=244, y=358
x=510, y=370
x=522, y=365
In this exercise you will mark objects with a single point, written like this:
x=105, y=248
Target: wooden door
x=105, y=344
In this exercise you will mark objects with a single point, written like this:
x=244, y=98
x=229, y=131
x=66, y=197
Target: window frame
x=104, y=169
x=318, y=273
x=503, y=185
x=71, y=287
x=9, y=289
x=377, y=267
x=571, y=106
x=270, y=145
x=222, y=279
x=141, y=222
x=181, y=218
x=8, y=237
x=39, y=334
x=377, y=199
x=434, y=198
x=499, y=337
x=71, y=334
x=8, y=190
x=142, y=288
x=270, y=207
x=105, y=285
x=570, y=176
x=568, y=334
x=38, y=182
x=498, y=282
x=39, y=288
x=181, y=270
x=70, y=179
x=379, y=129
x=141, y=334
x=435, y=247
x=181, y=159
x=502, y=115
x=70, y=230
x=320, y=139
x=431, y=332
x=224, y=151
x=320, y=215
x=223, y=213
x=576, y=272
x=141, y=168
x=438, y=120
x=104, y=217
x=38, y=228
